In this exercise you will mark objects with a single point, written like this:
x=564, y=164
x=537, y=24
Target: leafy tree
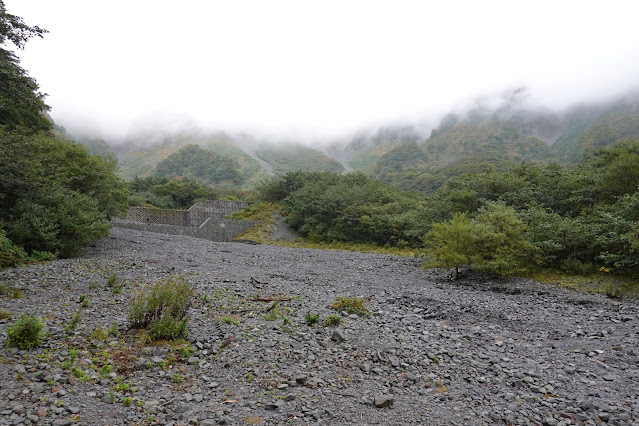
x=451, y=244
x=501, y=245
x=495, y=241
x=21, y=104
x=54, y=195
x=184, y=192
x=60, y=221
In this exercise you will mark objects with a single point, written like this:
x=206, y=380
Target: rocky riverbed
x=433, y=351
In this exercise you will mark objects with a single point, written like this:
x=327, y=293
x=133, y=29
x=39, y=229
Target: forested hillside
x=291, y=157
x=497, y=139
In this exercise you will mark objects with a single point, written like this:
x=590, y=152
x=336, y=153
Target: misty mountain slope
x=588, y=128
x=454, y=148
x=286, y=158
x=497, y=138
x=139, y=159
x=205, y=166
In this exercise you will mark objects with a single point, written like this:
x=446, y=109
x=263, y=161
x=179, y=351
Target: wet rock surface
x=480, y=351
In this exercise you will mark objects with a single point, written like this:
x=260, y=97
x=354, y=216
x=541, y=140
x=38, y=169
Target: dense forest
x=55, y=196
x=578, y=219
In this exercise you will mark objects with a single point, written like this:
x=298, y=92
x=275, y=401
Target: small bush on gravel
x=26, y=333
x=162, y=309
x=311, y=318
x=351, y=305
x=332, y=321
x=74, y=321
x=11, y=292
x=5, y=315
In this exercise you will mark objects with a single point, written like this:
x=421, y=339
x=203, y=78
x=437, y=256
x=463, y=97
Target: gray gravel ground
x=473, y=351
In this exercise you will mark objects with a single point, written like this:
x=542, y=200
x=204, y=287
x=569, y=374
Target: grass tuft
x=162, y=309
x=351, y=305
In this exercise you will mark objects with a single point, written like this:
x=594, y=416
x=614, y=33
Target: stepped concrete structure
x=203, y=220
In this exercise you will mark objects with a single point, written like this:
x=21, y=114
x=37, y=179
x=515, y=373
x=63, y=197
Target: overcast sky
x=321, y=67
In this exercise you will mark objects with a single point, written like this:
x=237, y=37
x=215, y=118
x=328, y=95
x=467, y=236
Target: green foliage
x=74, y=321
x=4, y=315
x=230, y=320
x=26, y=333
x=162, y=309
x=352, y=305
x=328, y=207
x=288, y=158
x=21, y=104
x=54, y=196
x=484, y=141
x=311, y=318
x=332, y=321
x=495, y=241
x=178, y=193
x=590, y=128
x=195, y=162
x=449, y=244
x=60, y=221
x=11, y=292
x=10, y=254
x=99, y=334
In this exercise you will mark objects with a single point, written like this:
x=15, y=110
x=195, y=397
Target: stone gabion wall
x=212, y=230
x=203, y=210
x=203, y=220
x=158, y=216
x=195, y=216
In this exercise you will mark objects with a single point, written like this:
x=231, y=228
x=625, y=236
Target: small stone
x=19, y=409
x=193, y=360
x=141, y=364
x=610, y=377
x=301, y=379
x=42, y=412
x=280, y=403
x=604, y=416
x=338, y=336
x=382, y=401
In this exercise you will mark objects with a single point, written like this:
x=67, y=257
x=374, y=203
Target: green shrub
x=11, y=292
x=41, y=256
x=74, y=321
x=5, y=315
x=162, y=309
x=10, y=254
x=352, y=305
x=332, y=321
x=311, y=318
x=167, y=328
x=230, y=320
x=98, y=334
x=115, y=284
x=26, y=333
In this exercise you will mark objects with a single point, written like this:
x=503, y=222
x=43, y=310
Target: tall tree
x=21, y=103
